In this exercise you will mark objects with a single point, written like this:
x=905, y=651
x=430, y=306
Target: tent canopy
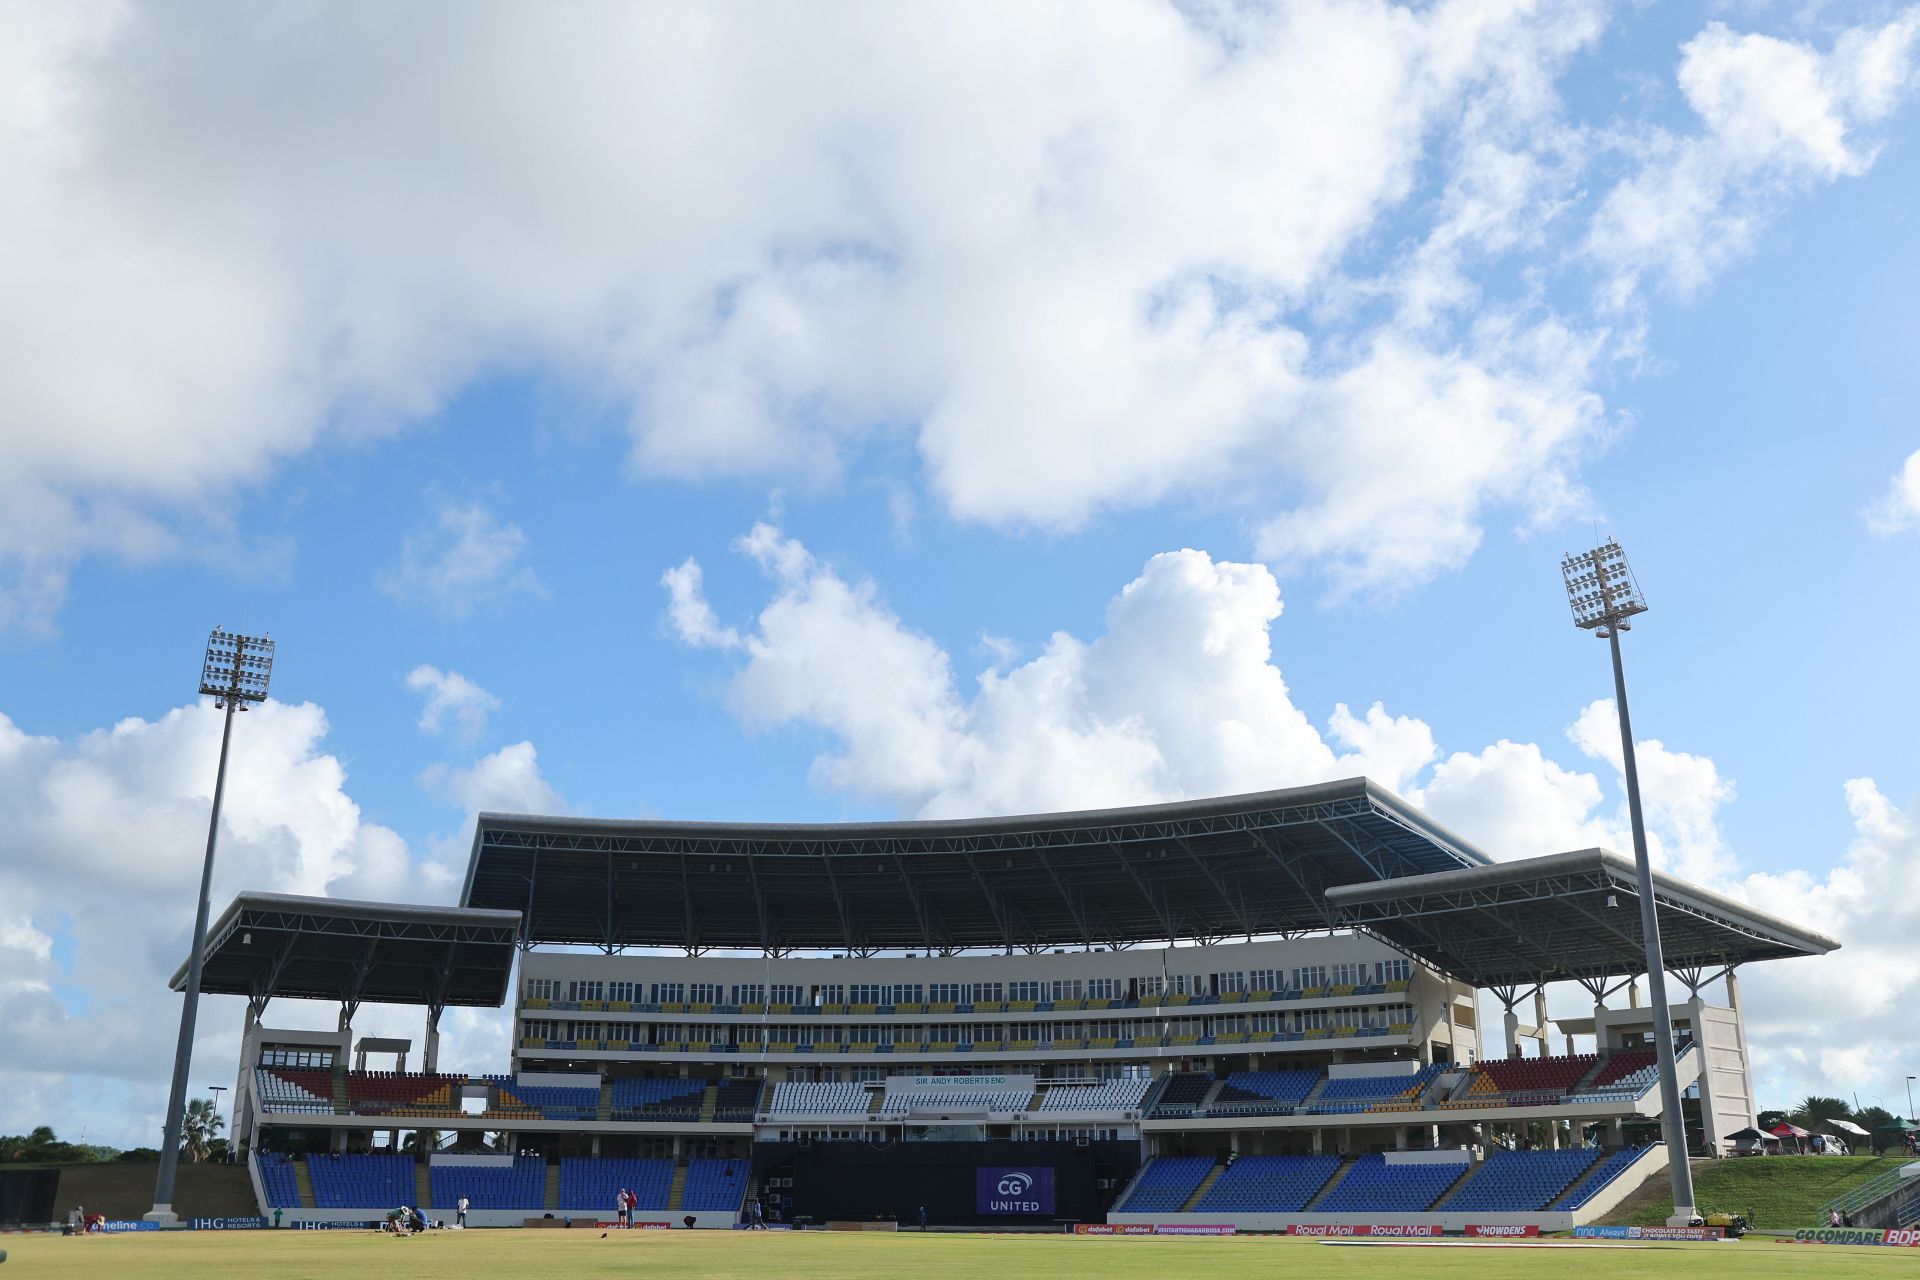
x=1846, y=1126
x=1787, y=1130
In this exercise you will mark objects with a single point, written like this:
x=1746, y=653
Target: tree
x=1768, y=1119
x=200, y=1124
x=1814, y=1109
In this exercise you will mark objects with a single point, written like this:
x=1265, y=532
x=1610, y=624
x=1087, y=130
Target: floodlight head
x=1601, y=589
x=237, y=669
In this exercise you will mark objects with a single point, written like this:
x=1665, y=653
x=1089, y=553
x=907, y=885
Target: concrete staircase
x=1454, y=1186
x=303, y=1182
x=551, y=1200
x=1211, y=1096
x=676, y=1194
x=340, y=1107
x=1573, y=1188
x=605, y=1111
x=423, y=1186
x=1313, y=1094
x=1334, y=1181
x=1206, y=1185
x=709, y=1103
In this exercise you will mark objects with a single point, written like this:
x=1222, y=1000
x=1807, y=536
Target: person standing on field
x=460, y=1213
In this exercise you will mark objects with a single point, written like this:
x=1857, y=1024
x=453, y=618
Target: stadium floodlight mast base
x=235, y=674
x=1604, y=596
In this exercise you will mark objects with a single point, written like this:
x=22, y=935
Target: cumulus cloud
x=1181, y=696
x=1854, y=1001
x=451, y=701
x=1779, y=116
x=1146, y=268
x=99, y=861
x=467, y=557
x=1898, y=510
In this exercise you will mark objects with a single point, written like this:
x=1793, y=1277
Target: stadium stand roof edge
x=267, y=945
x=1529, y=919
x=1219, y=867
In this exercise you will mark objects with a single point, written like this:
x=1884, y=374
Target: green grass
x=1779, y=1193
x=726, y=1255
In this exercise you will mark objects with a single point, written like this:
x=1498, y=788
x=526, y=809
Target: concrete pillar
x=337, y=1141
x=1453, y=1030
x=1540, y=1017
x=1512, y=1024
x=1317, y=1143
x=1633, y=994
x=596, y=1146
x=429, y=1044
x=1400, y=1138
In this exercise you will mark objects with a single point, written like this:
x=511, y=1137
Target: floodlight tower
x=235, y=674
x=1604, y=596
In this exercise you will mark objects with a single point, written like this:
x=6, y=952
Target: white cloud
x=1840, y=1023
x=1780, y=115
x=452, y=701
x=1898, y=510
x=467, y=557
x=507, y=781
x=1180, y=696
x=99, y=861
x=689, y=614
x=1140, y=269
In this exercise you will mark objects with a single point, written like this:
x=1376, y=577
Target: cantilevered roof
x=1238, y=865
x=276, y=944
x=1517, y=923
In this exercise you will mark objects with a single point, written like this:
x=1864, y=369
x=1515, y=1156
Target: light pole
x=1910, y=1119
x=216, y=1090
x=1604, y=596
x=235, y=674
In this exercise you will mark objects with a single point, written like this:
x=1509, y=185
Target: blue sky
x=453, y=380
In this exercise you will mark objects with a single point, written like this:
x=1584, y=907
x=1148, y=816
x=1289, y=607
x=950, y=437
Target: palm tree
x=1814, y=1109
x=202, y=1121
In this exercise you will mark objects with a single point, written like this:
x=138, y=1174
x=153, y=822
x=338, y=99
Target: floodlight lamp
x=237, y=669
x=1601, y=589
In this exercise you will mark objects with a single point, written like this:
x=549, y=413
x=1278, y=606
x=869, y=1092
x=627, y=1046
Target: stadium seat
x=656, y=1097
x=1114, y=1095
x=364, y=1181
x=521, y=1185
x=589, y=1185
x=1185, y=1091
x=1268, y=1184
x=294, y=1089
x=715, y=1185
x=1166, y=1184
x=1609, y=1168
x=1374, y=1186
x=801, y=1097
x=1263, y=1092
x=279, y=1181
x=1521, y=1181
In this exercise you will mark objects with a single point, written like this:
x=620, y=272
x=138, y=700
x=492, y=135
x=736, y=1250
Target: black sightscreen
x=26, y=1196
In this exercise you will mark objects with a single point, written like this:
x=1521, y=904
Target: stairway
x=551, y=1200
x=1206, y=1185
x=1454, y=1186
x=1587, y=1079
x=709, y=1103
x=303, y=1181
x=423, y=1186
x=340, y=1107
x=1573, y=1188
x=1211, y=1096
x=1332, y=1182
x=677, y=1193
x=1313, y=1094
x=606, y=1099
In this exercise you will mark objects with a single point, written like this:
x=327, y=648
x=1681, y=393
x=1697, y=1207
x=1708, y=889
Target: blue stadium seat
x=1521, y=1181
x=521, y=1185
x=1167, y=1183
x=1268, y=1184
x=1374, y=1186
x=366, y=1181
x=715, y=1185
x=587, y=1184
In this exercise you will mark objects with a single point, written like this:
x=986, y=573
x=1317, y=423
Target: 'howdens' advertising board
x=1013, y=1191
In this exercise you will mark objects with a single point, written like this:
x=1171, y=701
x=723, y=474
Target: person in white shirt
x=460, y=1213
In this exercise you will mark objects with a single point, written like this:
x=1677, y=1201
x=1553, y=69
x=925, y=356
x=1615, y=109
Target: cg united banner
x=1024, y=1190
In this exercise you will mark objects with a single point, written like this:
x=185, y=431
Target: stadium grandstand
x=1258, y=1009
